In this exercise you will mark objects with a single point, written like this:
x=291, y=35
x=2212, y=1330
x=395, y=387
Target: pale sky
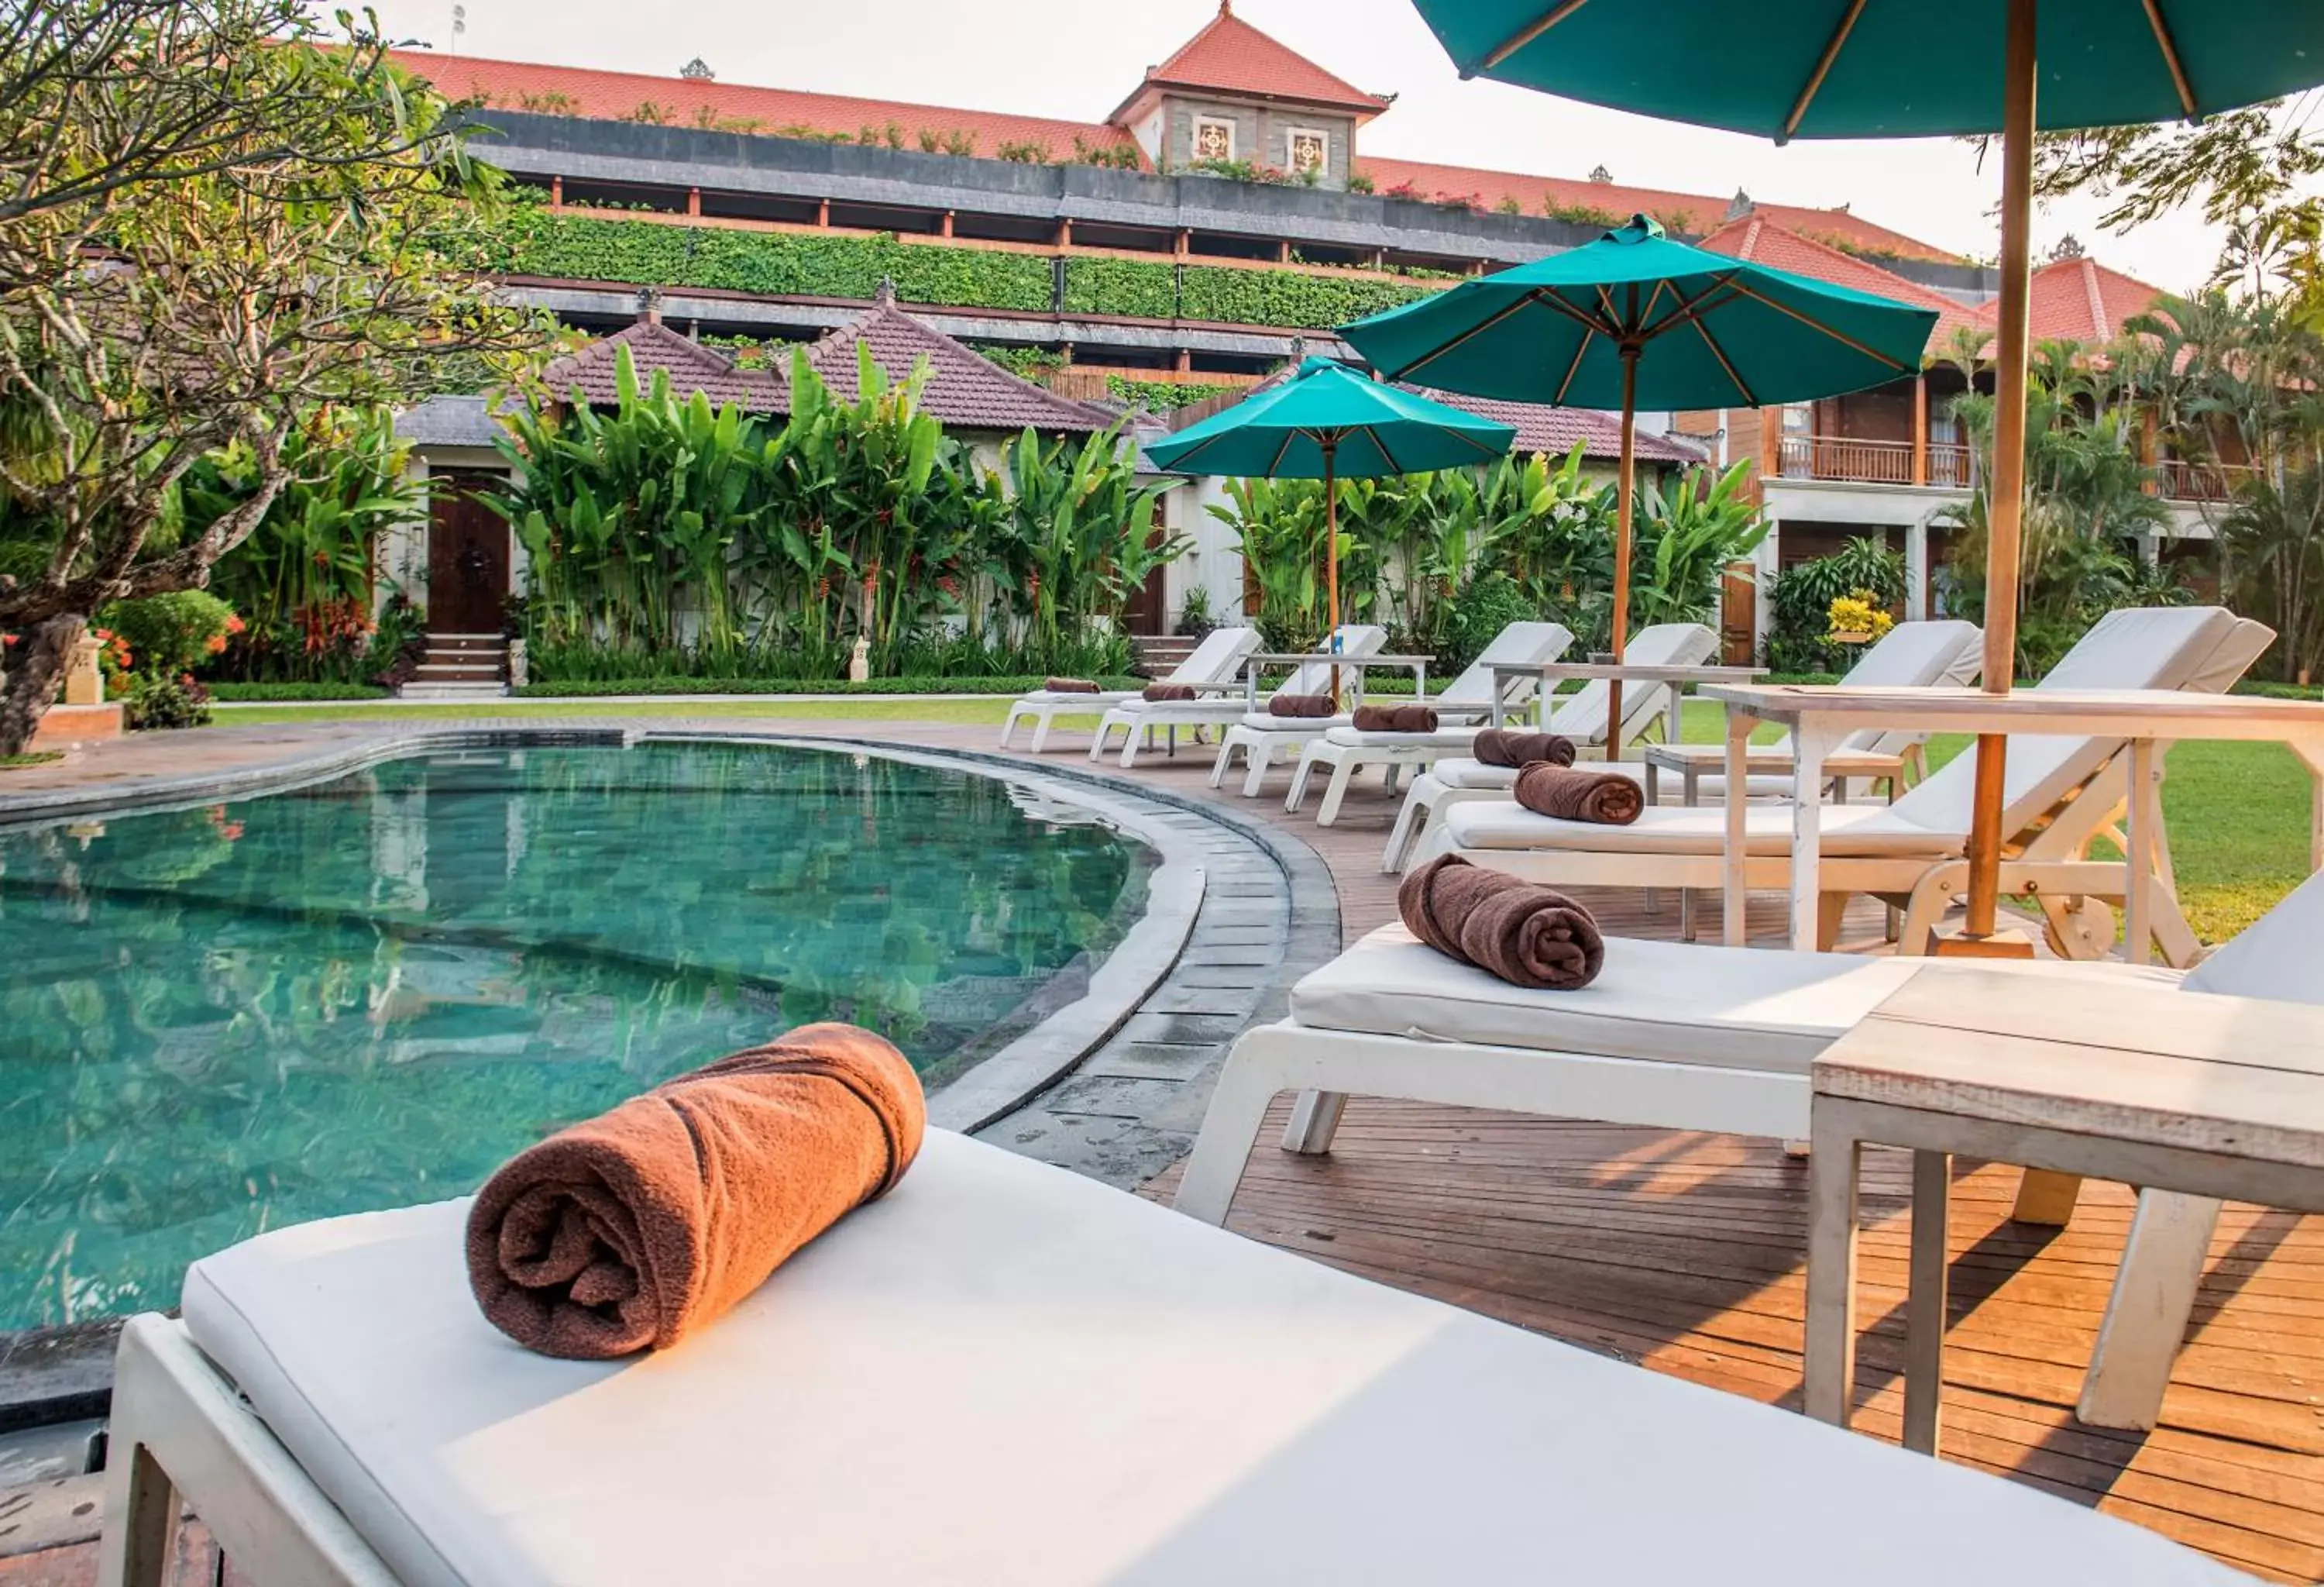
x=1074, y=58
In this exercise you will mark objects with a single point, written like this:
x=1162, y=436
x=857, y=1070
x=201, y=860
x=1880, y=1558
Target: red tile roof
x=1688, y=212
x=964, y=389
x=1762, y=242
x=616, y=95
x=1553, y=431
x=653, y=346
x=2079, y=301
x=1230, y=56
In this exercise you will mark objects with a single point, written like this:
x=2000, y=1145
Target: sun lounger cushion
x=2276, y=955
x=1050, y=697
x=1448, y=738
x=1464, y=772
x=1666, y=1002
x=1847, y=830
x=1305, y=726
x=1004, y=1373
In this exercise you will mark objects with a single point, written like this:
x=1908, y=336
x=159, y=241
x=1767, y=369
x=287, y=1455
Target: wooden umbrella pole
x=2005, y=491
x=1332, y=559
x=1626, y=482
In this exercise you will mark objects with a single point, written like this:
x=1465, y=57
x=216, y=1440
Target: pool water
x=370, y=992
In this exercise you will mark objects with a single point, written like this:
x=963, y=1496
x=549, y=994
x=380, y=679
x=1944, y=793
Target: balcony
x=2180, y=481
x=1857, y=461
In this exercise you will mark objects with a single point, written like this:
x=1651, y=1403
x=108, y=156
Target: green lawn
x=2239, y=813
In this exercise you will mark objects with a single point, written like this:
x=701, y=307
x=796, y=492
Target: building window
x=1306, y=149
x=1213, y=138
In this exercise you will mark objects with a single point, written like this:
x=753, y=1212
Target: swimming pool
x=368, y=991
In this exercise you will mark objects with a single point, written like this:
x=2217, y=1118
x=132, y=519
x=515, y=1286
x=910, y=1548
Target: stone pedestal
x=859, y=664
x=84, y=681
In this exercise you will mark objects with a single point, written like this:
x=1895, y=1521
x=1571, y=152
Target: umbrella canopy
x=1869, y=69
x=1635, y=319
x=1887, y=69
x=1329, y=420
x=1709, y=330
x=1325, y=423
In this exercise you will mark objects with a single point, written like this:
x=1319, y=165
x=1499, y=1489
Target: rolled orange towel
x=1526, y=933
x=1070, y=685
x=631, y=1229
x=1395, y=719
x=1504, y=746
x=1303, y=707
x=1169, y=691
x=1606, y=798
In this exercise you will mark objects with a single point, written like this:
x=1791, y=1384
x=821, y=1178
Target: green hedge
x=1121, y=286
x=1285, y=296
x=295, y=691
x=537, y=242
x=534, y=241
x=799, y=686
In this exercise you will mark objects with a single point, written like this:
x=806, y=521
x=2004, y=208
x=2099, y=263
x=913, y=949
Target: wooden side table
x=2220, y=1098
x=1692, y=762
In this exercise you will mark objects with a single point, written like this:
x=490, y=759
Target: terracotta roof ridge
x=1226, y=21
x=885, y=308
x=1907, y=287
x=2093, y=294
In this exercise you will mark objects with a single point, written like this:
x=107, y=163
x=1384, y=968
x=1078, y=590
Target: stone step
x=446, y=669
x=452, y=689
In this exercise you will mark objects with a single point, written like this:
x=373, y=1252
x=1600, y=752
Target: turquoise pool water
x=369, y=992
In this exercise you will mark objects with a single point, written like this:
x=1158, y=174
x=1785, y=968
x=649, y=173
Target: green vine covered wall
x=540, y=241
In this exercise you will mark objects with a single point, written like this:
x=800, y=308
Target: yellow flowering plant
x=1859, y=613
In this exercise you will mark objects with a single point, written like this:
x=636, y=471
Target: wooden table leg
x=2146, y=1316
x=1924, y=1301
x=2138, y=864
x=1828, y=1360
x=1809, y=744
x=1736, y=881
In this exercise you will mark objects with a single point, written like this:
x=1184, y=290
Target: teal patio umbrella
x=1635, y=319
x=1329, y=422
x=1892, y=69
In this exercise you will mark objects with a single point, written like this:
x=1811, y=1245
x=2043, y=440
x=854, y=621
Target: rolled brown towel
x=1606, y=798
x=629, y=1231
x=1303, y=707
x=1395, y=719
x=1504, y=746
x=1526, y=933
x=1169, y=691
x=1070, y=685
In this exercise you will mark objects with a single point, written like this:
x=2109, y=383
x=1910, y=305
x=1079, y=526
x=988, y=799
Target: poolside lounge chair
x=1141, y=719
x=1912, y=655
x=2061, y=793
x=1692, y=1038
x=1579, y=716
x=1214, y=666
x=1462, y=709
x=1003, y=1373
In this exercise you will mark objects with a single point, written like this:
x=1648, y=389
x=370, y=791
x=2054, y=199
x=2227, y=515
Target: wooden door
x=1147, y=610
x=1739, y=611
x=467, y=556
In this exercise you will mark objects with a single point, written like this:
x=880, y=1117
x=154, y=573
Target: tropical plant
x=1686, y=541
x=174, y=631
x=1800, y=600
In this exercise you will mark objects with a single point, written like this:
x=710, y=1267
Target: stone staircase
x=460, y=667
x=1158, y=653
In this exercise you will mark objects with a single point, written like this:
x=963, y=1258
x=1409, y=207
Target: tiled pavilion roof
x=1229, y=56
x=2079, y=301
x=964, y=390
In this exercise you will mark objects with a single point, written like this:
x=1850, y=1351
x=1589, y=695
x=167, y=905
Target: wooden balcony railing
x=1844, y=457
x=2182, y=480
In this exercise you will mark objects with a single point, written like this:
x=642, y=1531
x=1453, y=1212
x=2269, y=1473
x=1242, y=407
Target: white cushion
x=1849, y=831
x=1520, y=644
x=1218, y=658
x=1302, y=726
x=1447, y=738
x=1003, y=1373
x=1059, y=697
x=2277, y=955
x=1581, y=715
x=1461, y=772
x=1658, y=1002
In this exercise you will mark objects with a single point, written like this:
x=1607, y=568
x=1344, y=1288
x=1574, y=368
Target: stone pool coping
x=63, y=1374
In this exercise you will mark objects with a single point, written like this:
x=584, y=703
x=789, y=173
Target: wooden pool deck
x=1685, y=1253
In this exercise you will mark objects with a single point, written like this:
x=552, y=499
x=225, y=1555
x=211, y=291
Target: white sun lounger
x=2061, y=792
x=1140, y=719
x=1579, y=716
x=1692, y=1038
x=1912, y=655
x=1468, y=700
x=1214, y=664
x=1003, y=1373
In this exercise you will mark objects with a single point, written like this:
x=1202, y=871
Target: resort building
x=1223, y=215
